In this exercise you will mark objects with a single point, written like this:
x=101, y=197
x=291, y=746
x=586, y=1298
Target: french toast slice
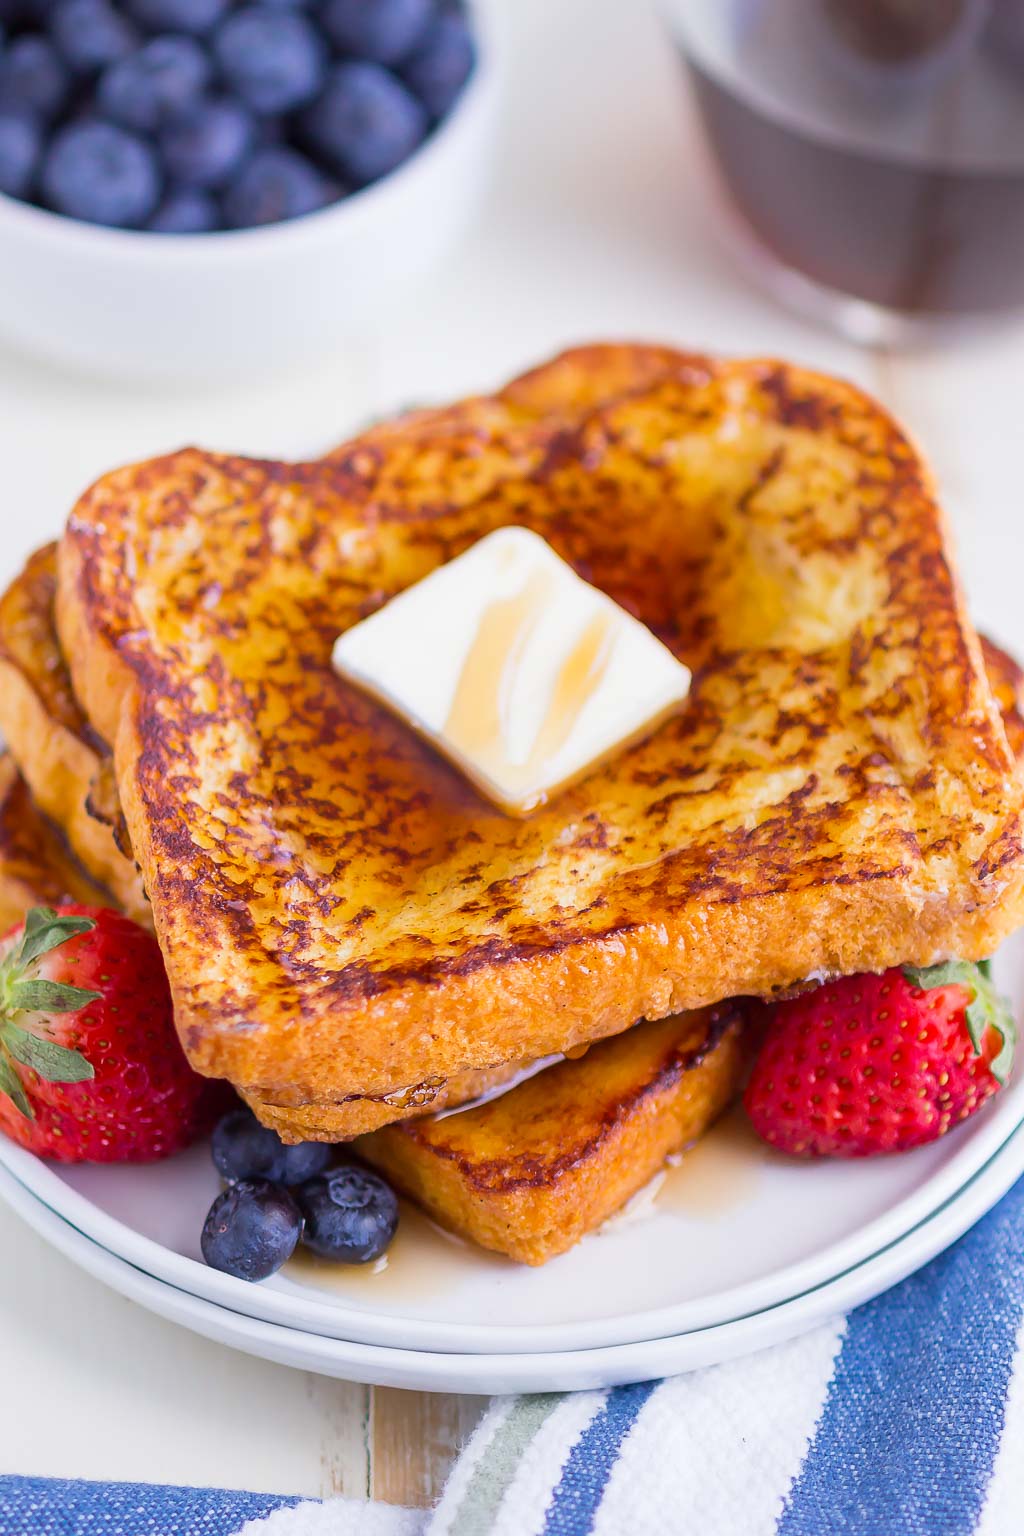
x=36, y=868
x=40, y=662
x=531, y=1172
x=343, y=918
x=68, y=768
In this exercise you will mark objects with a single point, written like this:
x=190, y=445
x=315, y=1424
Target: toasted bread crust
x=60, y=756
x=529, y=1173
x=1006, y=679
x=356, y=1116
x=36, y=867
x=339, y=911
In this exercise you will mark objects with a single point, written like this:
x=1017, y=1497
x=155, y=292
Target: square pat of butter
x=522, y=674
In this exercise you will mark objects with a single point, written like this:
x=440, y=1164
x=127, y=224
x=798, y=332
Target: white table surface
x=596, y=227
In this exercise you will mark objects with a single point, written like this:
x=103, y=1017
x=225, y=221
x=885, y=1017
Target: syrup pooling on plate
x=423, y=1261
x=720, y=1173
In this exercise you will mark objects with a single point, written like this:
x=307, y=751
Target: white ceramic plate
x=557, y=1370
x=736, y=1230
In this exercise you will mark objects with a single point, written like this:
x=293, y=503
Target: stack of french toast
x=357, y=940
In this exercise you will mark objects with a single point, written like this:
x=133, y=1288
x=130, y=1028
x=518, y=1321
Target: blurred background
x=573, y=186
x=566, y=194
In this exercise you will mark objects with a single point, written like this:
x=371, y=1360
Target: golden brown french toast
x=66, y=765
x=35, y=865
x=40, y=659
x=343, y=918
x=529, y=1173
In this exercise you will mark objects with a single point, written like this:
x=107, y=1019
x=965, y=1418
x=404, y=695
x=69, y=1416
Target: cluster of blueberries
x=185, y=116
x=278, y=1196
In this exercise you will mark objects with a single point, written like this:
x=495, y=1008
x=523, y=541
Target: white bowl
x=167, y=308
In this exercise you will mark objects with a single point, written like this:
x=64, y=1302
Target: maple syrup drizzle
x=476, y=722
x=579, y=676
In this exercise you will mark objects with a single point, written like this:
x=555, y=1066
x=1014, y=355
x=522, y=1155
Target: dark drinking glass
x=872, y=149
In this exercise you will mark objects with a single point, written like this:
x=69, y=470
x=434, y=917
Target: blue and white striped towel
x=904, y=1419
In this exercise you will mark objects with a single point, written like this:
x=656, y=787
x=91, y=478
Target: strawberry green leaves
x=37, y=995
x=23, y=993
x=10, y=1083
x=987, y=1009
x=46, y=930
x=55, y=1062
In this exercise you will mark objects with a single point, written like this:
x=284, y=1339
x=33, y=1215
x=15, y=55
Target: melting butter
x=522, y=674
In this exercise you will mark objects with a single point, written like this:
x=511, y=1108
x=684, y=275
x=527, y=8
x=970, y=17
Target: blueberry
x=270, y=131
x=442, y=64
x=276, y=184
x=33, y=77
x=252, y=1229
x=274, y=60
x=36, y=11
x=244, y=1149
x=145, y=89
x=204, y=145
x=21, y=144
x=90, y=34
x=351, y=1214
x=383, y=31
x=185, y=211
x=99, y=173
x=31, y=12
x=195, y=16
x=366, y=122
x=304, y=1161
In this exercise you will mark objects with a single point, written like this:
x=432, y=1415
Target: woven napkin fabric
x=905, y=1418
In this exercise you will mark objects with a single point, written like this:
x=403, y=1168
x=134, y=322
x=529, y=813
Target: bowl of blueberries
x=196, y=188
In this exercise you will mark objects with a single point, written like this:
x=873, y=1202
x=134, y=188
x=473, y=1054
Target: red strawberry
x=90, y=1065
x=875, y=1064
